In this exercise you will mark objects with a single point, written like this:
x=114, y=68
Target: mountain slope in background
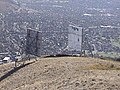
x=100, y=20
x=12, y=19
x=7, y=5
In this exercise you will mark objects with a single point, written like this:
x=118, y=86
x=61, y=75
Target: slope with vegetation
x=7, y=5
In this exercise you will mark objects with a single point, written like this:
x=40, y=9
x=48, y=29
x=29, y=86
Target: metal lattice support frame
x=25, y=48
x=85, y=44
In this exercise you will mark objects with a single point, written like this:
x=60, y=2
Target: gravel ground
x=62, y=73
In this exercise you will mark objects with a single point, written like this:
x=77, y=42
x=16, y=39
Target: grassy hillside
x=63, y=73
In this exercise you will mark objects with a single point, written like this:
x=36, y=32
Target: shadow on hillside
x=60, y=55
x=13, y=71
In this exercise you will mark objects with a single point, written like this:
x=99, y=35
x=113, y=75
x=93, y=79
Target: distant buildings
x=7, y=59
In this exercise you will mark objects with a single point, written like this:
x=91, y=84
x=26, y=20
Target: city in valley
x=59, y=44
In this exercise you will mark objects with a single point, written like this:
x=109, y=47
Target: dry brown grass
x=102, y=67
x=64, y=73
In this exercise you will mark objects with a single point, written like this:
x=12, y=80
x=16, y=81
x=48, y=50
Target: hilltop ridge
x=63, y=73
